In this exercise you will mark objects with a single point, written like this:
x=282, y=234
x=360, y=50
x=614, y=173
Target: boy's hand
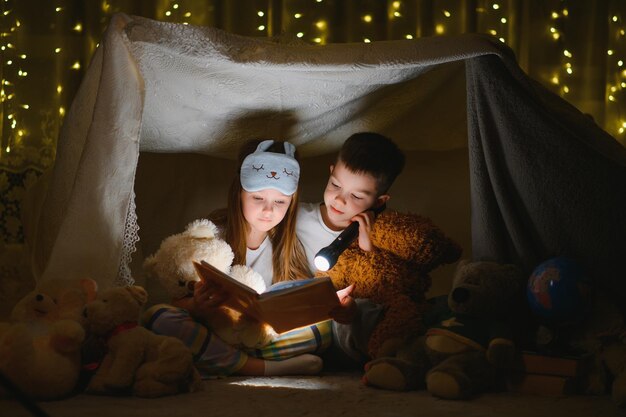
x=346, y=312
x=365, y=220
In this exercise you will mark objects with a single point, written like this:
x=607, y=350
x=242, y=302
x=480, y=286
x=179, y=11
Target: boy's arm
x=346, y=312
x=365, y=221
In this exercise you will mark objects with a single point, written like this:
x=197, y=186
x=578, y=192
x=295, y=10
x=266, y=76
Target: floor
x=327, y=395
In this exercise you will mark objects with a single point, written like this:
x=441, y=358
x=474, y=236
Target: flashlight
x=327, y=257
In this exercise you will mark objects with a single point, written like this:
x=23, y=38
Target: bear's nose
x=39, y=297
x=460, y=295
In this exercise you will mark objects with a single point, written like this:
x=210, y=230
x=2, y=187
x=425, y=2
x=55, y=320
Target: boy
x=365, y=169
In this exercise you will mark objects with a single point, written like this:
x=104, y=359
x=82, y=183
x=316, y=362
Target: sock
x=305, y=364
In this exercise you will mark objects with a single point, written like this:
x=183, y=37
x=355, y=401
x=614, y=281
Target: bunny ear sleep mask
x=262, y=170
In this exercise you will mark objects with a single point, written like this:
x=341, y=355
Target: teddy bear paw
x=445, y=385
x=392, y=374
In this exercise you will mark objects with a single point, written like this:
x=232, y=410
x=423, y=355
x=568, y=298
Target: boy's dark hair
x=373, y=154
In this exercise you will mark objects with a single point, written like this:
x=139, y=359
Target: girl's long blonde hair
x=288, y=257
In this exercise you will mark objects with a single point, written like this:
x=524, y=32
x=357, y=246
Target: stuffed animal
x=602, y=335
x=40, y=352
x=467, y=343
x=613, y=356
x=172, y=264
x=148, y=364
x=407, y=248
x=56, y=299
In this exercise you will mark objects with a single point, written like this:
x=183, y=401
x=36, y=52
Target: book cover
x=284, y=306
x=544, y=385
x=567, y=366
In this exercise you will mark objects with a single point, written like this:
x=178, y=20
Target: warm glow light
x=59, y=89
x=61, y=111
x=439, y=29
x=175, y=6
x=623, y=84
x=366, y=40
x=300, y=34
x=76, y=65
x=58, y=9
x=317, y=40
x=25, y=106
x=503, y=20
x=260, y=13
x=569, y=71
x=78, y=27
x=395, y=4
x=565, y=12
x=297, y=15
x=57, y=50
x=447, y=13
x=502, y=40
x=168, y=13
x=496, y=6
x=567, y=53
x=409, y=36
x=367, y=18
x=261, y=27
x=620, y=63
x=614, y=18
x=565, y=89
x=493, y=32
x=609, y=52
x=611, y=98
x=188, y=14
x=321, y=24
x=397, y=14
x=555, y=80
x=23, y=56
x=554, y=15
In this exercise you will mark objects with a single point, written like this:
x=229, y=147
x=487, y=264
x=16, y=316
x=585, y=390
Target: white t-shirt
x=259, y=259
x=312, y=231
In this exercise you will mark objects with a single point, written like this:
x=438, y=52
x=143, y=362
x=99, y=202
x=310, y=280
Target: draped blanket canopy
x=545, y=179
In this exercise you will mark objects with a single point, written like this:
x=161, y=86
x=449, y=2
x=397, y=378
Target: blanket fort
x=545, y=179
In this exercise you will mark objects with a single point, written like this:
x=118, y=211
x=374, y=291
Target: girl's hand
x=346, y=312
x=206, y=297
x=365, y=220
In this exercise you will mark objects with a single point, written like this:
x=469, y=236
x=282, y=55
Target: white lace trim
x=131, y=237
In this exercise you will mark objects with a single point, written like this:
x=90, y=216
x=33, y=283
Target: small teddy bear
x=40, y=351
x=150, y=365
x=172, y=264
x=407, y=248
x=467, y=340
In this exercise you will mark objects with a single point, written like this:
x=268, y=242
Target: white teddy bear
x=172, y=264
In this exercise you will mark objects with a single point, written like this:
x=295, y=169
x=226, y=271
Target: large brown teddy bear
x=137, y=360
x=469, y=341
x=407, y=248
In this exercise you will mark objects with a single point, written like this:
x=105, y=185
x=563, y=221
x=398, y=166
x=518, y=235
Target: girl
x=259, y=224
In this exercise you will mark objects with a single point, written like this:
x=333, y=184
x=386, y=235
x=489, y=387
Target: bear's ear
x=90, y=288
x=149, y=264
x=463, y=262
x=138, y=293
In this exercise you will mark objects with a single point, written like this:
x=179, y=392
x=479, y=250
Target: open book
x=284, y=306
